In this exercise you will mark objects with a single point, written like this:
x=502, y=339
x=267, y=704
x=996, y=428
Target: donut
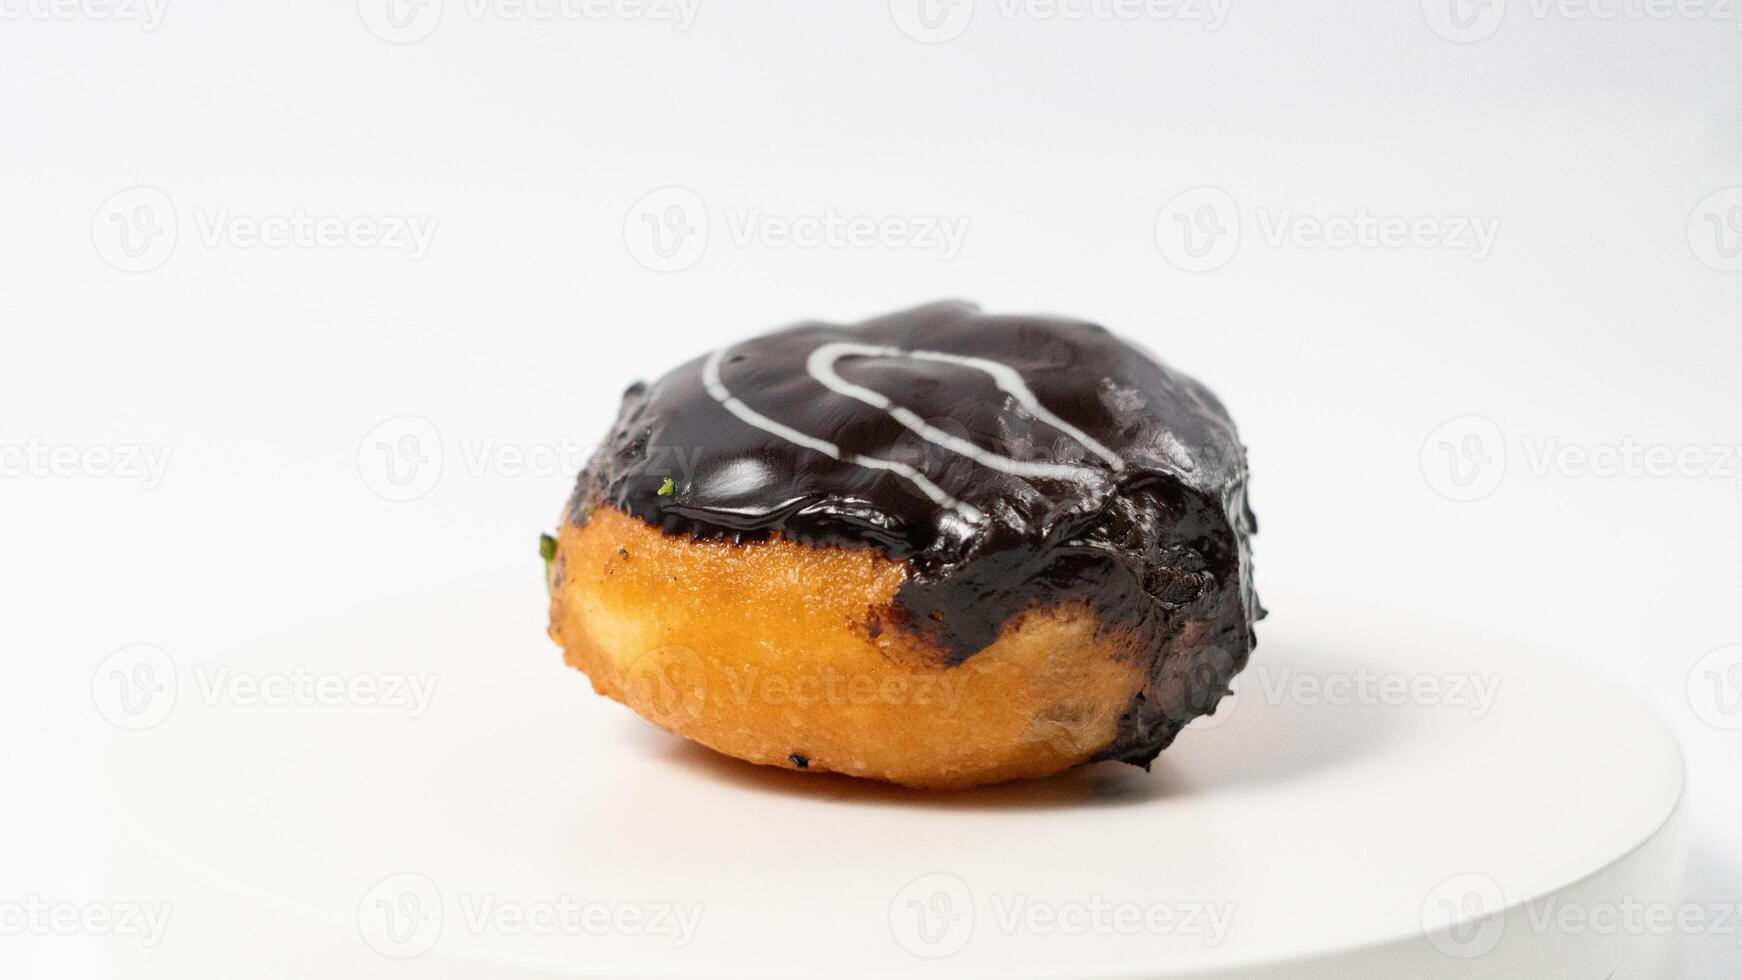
x=940, y=548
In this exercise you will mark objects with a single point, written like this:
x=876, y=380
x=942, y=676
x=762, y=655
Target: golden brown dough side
x=771, y=651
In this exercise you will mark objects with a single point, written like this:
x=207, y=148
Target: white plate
x=1365, y=826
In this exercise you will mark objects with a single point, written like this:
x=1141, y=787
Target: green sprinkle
x=667, y=488
x=547, y=551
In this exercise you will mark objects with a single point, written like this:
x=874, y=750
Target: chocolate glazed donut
x=1006, y=464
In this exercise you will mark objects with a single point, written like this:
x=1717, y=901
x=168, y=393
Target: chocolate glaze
x=1140, y=506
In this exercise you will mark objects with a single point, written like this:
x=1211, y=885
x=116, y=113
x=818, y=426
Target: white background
x=1604, y=314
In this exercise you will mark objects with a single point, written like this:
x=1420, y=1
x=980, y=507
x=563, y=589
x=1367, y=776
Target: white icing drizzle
x=751, y=417
x=821, y=366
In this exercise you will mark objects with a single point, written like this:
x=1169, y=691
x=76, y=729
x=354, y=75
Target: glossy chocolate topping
x=1009, y=460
